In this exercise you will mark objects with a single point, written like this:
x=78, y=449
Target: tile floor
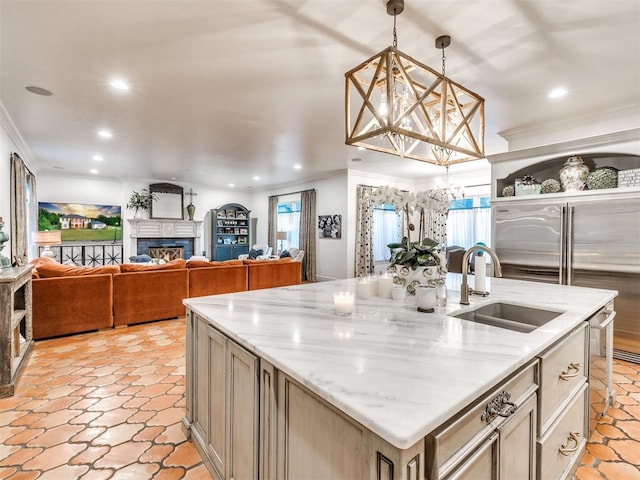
x=107, y=405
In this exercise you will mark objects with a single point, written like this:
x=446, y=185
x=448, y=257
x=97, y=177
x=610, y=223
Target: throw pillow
x=143, y=258
x=285, y=254
x=253, y=254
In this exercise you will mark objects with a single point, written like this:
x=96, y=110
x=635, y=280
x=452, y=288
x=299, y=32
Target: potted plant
x=417, y=263
x=140, y=201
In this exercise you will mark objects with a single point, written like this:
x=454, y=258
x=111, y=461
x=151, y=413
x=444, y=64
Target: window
x=469, y=222
x=388, y=225
x=288, y=220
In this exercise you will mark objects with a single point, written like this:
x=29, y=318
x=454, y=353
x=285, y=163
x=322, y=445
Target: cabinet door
x=200, y=411
x=216, y=358
x=482, y=464
x=518, y=443
x=242, y=413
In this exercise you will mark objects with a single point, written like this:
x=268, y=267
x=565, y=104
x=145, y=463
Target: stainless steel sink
x=507, y=315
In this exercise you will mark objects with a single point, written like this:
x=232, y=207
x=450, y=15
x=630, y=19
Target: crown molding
x=631, y=135
x=8, y=125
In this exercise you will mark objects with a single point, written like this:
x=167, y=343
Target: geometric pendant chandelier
x=395, y=104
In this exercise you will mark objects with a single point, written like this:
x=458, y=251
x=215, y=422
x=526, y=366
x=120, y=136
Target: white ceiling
x=223, y=91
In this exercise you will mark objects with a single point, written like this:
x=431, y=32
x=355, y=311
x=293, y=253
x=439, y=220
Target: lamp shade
x=47, y=237
x=281, y=235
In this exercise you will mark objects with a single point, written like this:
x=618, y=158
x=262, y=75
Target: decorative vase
x=191, y=209
x=409, y=278
x=4, y=261
x=603, y=177
x=573, y=176
x=138, y=213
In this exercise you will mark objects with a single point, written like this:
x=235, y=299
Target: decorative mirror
x=168, y=201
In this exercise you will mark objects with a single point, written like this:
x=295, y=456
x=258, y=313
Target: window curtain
x=308, y=234
x=273, y=219
x=364, y=262
x=436, y=226
x=32, y=214
x=21, y=217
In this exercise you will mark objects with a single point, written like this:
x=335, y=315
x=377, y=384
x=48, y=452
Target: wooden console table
x=16, y=332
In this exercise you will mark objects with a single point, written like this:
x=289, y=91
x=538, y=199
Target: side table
x=16, y=331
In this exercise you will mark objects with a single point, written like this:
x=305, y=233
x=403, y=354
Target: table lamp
x=46, y=238
x=280, y=236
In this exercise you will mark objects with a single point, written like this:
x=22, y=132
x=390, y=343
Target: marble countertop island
x=398, y=372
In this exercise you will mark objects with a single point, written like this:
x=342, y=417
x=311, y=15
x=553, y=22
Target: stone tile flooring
x=107, y=405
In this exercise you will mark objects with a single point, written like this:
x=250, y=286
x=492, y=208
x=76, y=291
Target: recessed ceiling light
x=557, y=92
x=98, y=158
x=361, y=148
x=173, y=178
x=356, y=159
x=93, y=170
x=256, y=177
x=297, y=167
x=38, y=90
x=105, y=134
x=119, y=84
x=231, y=185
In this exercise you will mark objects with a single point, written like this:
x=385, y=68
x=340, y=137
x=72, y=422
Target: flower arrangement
x=434, y=200
x=422, y=261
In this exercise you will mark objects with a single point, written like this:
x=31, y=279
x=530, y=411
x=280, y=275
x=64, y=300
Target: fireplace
x=166, y=239
x=166, y=248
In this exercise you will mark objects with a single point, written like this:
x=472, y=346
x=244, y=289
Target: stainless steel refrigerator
x=590, y=241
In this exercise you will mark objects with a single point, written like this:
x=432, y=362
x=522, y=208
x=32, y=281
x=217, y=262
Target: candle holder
x=343, y=303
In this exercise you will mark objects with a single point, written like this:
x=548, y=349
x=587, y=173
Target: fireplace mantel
x=169, y=228
x=144, y=229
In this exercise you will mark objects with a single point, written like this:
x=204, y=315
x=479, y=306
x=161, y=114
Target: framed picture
x=244, y=231
x=241, y=215
x=242, y=240
x=231, y=214
x=227, y=241
x=329, y=226
x=219, y=223
x=79, y=222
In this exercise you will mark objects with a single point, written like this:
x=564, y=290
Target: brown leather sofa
x=69, y=299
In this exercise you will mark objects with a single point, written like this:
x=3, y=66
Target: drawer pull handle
x=575, y=367
x=573, y=437
x=499, y=406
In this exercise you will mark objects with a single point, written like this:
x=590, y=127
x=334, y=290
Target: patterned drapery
x=308, y=234
x=436, y=226
x=364, y=261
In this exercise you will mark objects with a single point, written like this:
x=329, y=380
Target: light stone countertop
x=398, y=372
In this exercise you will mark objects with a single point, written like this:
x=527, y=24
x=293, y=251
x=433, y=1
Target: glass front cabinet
x=230, y=227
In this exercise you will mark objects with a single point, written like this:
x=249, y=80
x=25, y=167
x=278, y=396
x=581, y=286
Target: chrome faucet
x=497, y=270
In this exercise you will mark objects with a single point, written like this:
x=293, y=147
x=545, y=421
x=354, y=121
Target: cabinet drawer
x=563, y=445
x=562, y=369
x=448, y=446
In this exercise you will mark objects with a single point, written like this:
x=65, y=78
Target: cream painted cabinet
x=563, y=425
x=223, y=406
x=494, y=439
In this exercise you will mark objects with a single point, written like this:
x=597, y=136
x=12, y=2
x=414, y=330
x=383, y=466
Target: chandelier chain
x=395, y=33
x=443, y=60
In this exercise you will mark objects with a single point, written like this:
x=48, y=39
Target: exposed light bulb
x=119, y=84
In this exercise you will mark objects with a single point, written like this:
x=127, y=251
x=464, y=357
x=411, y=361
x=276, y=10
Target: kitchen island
x=278, y=386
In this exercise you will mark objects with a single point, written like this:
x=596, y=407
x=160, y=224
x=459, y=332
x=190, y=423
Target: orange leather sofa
x=212, y=278
x=69, y=299
x=273, y=273
x=67, y=305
